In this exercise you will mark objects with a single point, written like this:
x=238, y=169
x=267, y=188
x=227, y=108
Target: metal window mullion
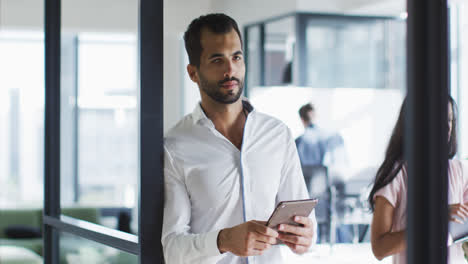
x=100, y=234
x=301, y=68
x=426, y=130
x=262, y=50
x=246, y=60
x=52, y=128
x=151, y=203
x=76, y=123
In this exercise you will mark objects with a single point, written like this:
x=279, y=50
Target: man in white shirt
x=226, y=166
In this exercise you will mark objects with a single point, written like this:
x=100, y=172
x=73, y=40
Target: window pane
x=279, y=46
x=350, y=65
x=21, y=118
x=346, y=54
x=253, y=63
x=354, y=52
x=77, y=250
x=459, y=64
x=99, y=114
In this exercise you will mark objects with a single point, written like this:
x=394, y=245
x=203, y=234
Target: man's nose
x=229, y=69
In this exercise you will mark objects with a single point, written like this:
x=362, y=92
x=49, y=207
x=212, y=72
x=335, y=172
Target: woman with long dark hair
x=388, y=195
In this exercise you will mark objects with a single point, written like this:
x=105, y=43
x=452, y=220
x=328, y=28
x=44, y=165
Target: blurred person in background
x=387, y=198
x=319, y=147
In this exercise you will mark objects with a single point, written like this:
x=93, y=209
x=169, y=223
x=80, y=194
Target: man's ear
x=192, y=72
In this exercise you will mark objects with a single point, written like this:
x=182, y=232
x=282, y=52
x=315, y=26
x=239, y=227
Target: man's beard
x=214, y=90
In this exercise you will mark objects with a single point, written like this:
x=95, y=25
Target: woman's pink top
x=395, y=192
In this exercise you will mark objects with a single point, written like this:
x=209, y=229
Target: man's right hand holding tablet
x=248, y=239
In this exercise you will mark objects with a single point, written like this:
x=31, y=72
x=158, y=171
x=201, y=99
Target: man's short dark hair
x=304, y=112
x=216, y=23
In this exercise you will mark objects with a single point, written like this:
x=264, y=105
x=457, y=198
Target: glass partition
x=99, y=115
x=77, y=250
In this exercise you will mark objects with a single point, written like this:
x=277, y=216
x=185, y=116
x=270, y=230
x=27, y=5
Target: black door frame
x=146, y=245
x=426, y=130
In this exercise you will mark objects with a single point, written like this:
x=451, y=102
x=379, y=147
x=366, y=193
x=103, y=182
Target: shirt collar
x=198, y=115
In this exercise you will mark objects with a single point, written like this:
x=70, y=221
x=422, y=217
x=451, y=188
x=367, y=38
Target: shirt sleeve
x=179, y=245
x=292, y=184
x=392, y=191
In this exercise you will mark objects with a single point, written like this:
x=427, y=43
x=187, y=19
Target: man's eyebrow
x=216, y=55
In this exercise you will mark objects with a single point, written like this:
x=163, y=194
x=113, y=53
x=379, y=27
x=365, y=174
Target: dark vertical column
x=262, y=50
x=52, y=128
x=426, y=130
x=76, y=131
x=301, y=69
x=246, y=61
x=151, y=131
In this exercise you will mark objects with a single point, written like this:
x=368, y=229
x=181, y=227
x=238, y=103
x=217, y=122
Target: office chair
x=318, y=186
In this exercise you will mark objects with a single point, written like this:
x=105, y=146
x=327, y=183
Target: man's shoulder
x=269, y=120
x=179, y=131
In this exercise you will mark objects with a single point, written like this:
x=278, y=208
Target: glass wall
x=77, y=250
x=254, y=49
x=99, y=116
x=345, y=54
x=352, y=70
x=329, y=51
x=21, y=118
x=280, y=39
x=459, y=64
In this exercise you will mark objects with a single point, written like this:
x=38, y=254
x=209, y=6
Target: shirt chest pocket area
x=213, y=186
x=264, y=176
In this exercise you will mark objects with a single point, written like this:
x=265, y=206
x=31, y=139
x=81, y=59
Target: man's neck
x=224, y=116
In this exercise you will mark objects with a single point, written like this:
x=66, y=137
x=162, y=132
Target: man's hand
x=299, y=238
x=458, y=212
x=247, y=239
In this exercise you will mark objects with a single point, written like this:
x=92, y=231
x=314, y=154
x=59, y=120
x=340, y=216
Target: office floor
x=338, y=254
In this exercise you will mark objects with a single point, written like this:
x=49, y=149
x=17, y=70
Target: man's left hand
x=297, y=238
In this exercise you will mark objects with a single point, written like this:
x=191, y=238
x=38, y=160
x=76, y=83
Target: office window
x=253, y=47
x=459, y=64
x=345, y=54
x=77, y=250
x=100, y=145
x=21, y=118
x=108, y=121
x=280, y=39
x=329, y=51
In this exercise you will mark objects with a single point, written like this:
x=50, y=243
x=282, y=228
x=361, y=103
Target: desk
x=337, y=254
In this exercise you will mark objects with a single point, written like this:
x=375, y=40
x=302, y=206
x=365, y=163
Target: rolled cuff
x=211, y=243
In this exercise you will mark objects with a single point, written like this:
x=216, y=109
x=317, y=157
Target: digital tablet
x=286, y=210
x=459, y=232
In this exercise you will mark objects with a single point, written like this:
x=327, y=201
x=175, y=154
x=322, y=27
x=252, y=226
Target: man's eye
x=216, y=60
x=237, y=58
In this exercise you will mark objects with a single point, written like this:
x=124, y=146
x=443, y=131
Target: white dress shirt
x=210, y=184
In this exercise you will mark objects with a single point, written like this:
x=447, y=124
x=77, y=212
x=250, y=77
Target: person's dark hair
x=304, y=112
x=393, y=161
x=216, y=23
